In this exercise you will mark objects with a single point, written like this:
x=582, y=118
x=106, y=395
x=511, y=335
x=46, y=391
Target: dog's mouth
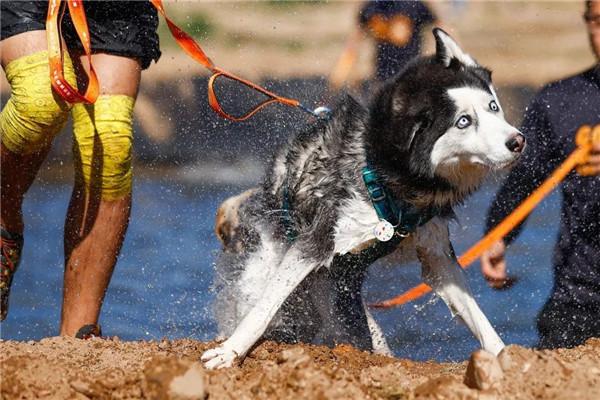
x=509, y=164
x=477, y=166
x=492, y=165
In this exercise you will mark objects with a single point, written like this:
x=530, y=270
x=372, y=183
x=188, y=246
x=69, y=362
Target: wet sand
x=62, y=368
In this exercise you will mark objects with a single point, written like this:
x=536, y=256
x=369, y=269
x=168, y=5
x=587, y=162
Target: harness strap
x=383, y=203
x=404, y=217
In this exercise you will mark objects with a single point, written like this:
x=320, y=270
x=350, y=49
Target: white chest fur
x=355, y=225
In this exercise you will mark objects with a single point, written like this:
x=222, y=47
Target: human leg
x=29, y=121
x=31, y=118
x=100, y=205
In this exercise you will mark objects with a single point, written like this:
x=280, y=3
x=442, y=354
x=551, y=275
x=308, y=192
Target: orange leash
x=193, y=49
x=56, y=11
x=584, y=139
x=185, y=41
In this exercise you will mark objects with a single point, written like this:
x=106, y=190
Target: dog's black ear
x=446, y=49
x=484, y=74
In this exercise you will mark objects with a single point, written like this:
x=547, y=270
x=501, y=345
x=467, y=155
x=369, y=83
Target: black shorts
x=123, y=28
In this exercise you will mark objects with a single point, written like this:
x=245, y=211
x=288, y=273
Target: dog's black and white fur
x=433, y=133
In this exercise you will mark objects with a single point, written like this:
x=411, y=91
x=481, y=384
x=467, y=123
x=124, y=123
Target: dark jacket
x=550, y=124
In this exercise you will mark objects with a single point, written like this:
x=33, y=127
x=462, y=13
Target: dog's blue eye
x=494, y=106
x=463, y=122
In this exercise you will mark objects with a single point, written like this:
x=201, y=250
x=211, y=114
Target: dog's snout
x=516, y=143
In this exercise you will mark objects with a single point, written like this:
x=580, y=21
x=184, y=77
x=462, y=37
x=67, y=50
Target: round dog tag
x=384, y=231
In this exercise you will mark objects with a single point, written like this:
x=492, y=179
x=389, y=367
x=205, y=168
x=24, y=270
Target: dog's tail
x=228, y=223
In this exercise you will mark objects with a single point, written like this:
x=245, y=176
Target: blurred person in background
x=572, y=313
x=396, y=27
x=124, y=42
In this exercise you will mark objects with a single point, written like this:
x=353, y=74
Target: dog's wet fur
x=432, y=134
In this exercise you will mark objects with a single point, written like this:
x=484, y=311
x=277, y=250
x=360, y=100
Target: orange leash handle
x=216, y=106
x=193, y=49
x=56, y=12
x=584, y=139
x=592, y=139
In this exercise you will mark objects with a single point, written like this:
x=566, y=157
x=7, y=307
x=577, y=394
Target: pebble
x=484, y=371
x=82, y=387
x=189, y=386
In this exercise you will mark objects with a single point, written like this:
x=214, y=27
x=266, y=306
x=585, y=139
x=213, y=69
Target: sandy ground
x=111, y=369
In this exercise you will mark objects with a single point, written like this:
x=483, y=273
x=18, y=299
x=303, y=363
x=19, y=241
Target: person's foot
x=89, y=331
x=12, y=245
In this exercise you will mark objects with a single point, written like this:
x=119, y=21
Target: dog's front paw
x=220, y=357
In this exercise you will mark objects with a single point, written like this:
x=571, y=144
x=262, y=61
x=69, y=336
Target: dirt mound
x=101, y=369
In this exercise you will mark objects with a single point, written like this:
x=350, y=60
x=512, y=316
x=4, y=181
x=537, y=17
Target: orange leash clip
x=193, y=49
x=585, y=138
x=56, y=11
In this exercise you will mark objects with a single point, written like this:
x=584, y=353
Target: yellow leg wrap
x=102, y=142
x=34, y=114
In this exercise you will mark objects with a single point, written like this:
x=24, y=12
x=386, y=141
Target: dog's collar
x=397, y=217
x=400, y=216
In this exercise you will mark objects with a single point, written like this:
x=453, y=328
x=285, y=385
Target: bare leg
x=30, y=119
x=22, y=45
x=95, y=227
x=18, y=171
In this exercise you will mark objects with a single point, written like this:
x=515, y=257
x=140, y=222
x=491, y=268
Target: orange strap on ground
x=56, y=10
x=584, y=139
x=193, y=49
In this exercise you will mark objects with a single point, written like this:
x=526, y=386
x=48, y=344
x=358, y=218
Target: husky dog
x=294, y=268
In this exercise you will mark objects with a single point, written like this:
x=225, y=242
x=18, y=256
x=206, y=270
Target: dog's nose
x=516, y=143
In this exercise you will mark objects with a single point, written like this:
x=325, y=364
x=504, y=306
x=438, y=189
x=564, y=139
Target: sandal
x=89, y=331
x=12, y=246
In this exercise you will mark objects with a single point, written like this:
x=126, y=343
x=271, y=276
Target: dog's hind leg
x=348, y=305
x=380, y=345
x=294, y=267
x=441, y=271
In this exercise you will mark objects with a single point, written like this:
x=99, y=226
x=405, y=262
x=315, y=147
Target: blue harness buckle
x=377, y=193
